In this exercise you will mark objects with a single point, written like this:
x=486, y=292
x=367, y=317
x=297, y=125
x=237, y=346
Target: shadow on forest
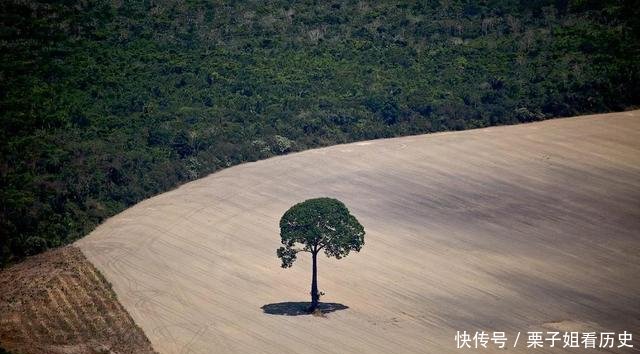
x=300, y=308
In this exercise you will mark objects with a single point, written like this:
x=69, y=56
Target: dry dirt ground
x=515, y=229
x=57, y=302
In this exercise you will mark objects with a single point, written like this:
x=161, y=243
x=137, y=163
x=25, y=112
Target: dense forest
x=105, y=103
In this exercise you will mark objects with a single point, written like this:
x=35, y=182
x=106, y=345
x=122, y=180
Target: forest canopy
x=105, y=103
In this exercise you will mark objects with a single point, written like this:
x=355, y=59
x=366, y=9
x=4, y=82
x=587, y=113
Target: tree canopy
x=106, y=103
x=320, y=224
x=315, y=225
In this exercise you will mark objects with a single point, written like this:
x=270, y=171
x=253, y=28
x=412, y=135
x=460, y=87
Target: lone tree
x=320, y=224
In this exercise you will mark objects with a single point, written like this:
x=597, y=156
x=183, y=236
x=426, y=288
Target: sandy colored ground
x=519, y=228
x=57, y=303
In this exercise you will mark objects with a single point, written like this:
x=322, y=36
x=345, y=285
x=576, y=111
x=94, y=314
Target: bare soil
x=532, y=227
x=57, y=302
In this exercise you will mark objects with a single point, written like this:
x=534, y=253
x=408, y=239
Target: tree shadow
x=300, y=308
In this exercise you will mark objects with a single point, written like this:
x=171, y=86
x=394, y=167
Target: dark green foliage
x=103, y=103
x=315, y=225
x=320, y=224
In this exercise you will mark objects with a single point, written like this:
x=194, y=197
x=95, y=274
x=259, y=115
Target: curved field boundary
x=518, y=228
x=58, y=303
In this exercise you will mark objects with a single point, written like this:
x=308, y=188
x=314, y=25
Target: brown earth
x=57, y=302
x=532, y=227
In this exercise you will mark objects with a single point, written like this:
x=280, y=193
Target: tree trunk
x=315, y=296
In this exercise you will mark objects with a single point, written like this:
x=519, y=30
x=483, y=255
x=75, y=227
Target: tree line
x=105, y=103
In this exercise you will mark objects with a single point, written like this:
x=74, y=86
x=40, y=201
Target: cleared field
x=519, y=228
x=57, y=302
